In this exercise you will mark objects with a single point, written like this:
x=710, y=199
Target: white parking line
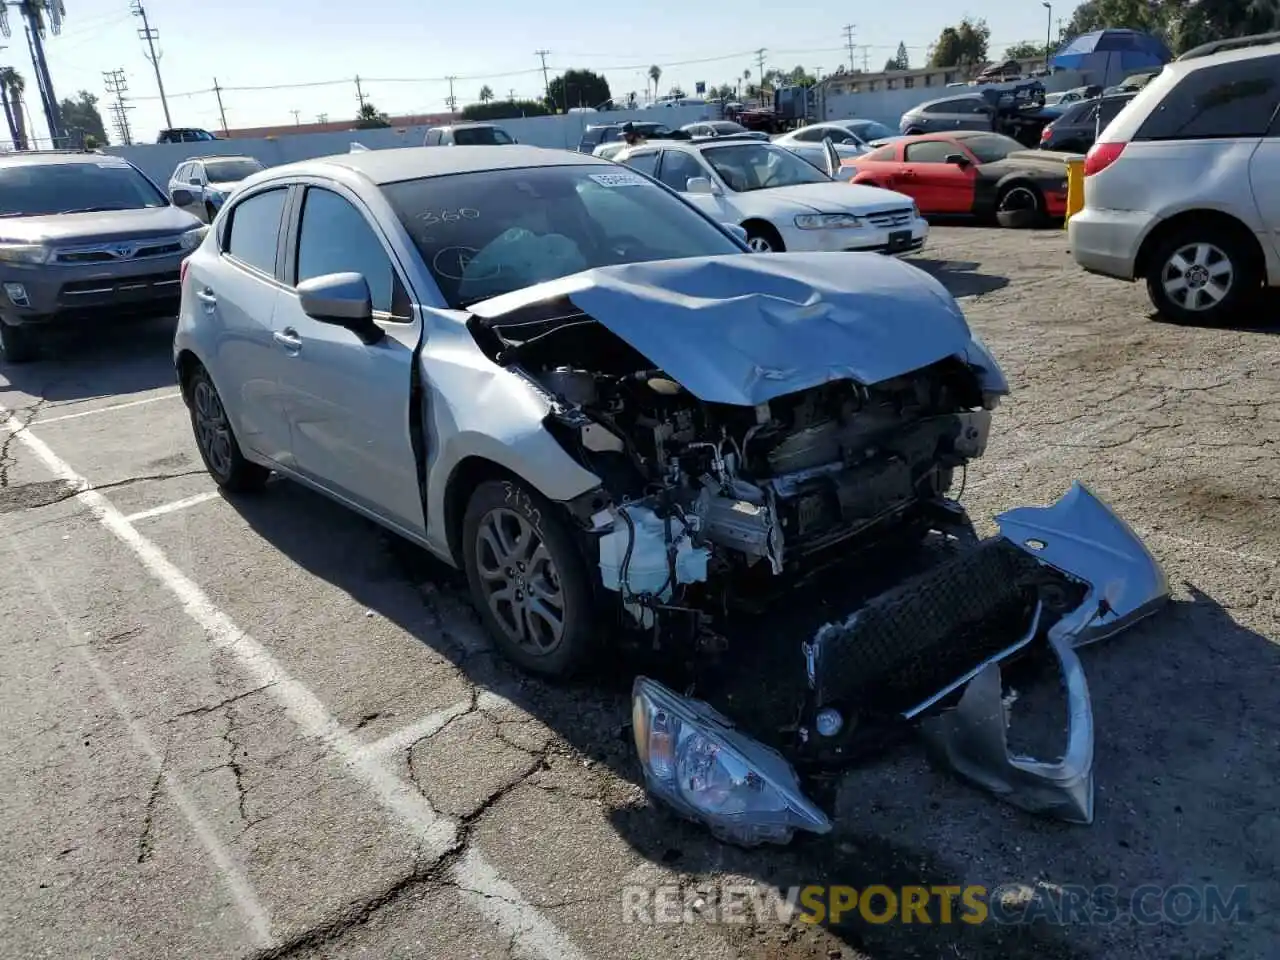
x=241, y=890
x=14, y=425
x=173, y=507
x=494, y=899
x=428, y=726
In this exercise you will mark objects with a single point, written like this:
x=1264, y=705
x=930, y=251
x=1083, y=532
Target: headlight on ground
x=193, y=238
x=24, y=253
x=694, y=760
x=827, y=221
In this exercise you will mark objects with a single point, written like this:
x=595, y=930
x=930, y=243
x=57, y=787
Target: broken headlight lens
x=694, y=760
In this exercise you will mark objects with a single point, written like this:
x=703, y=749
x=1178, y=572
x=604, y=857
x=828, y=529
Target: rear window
x=1109, y=109
x=1225, y=101
x=480, y=137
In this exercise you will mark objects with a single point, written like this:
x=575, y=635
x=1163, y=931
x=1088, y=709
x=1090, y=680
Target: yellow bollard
x=1075, y=187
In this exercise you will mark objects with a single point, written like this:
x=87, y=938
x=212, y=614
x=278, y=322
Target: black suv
x=1080, y=123
x=598, y=133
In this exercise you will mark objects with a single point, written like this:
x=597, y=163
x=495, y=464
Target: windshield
x=869, y=130
x=480, y=137
x=39, y=189
x=991, y=147
x=759, y=166
x=485, y=234
x=230, y=171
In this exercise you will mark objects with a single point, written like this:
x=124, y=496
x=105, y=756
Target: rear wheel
x=17, y=343
x=1201, y=275
x=528, y=579
x=217, y=443
x=1019, y=206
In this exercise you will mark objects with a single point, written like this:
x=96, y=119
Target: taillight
x=1046, y=133
x=1101, y=156
x=182, y=271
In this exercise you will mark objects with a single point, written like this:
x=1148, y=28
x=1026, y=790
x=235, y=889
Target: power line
x=848, y=39
x=117, y=84
x=151, y=35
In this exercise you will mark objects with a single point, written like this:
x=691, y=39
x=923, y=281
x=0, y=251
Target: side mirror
x=959, y=159
x=182, y=198
x=343, y=300
x=701, y=185
x=738, y=231
x=195, y=182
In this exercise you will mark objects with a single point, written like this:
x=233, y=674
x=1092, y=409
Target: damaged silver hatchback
x=558, y=376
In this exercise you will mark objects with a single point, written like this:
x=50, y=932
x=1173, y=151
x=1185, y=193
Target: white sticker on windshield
x=618, y=179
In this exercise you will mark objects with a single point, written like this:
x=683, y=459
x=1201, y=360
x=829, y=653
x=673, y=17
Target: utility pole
x=546, y=83
x=38, y=15
x=217, y=92
x=117, y=84
x=452, y=101
x=296, y=121
x=866, y=59
x=848, y=40
x=360, y=94
x=151, y=35
x=511, y=95
x=760, y=69
x=322, y=118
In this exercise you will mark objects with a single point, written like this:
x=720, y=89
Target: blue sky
x=403, y=48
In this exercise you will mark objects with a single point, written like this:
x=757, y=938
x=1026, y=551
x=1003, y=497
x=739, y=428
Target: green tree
x=504, y=110
x=486, y=93
x=1191, y=24
x=899, y=61
x=577, y=88
x=12, y=86
x=81, y=118
x=370, y=118
x=964, y=45
x=677, y=91
x=655, y=74
x=1024, y=51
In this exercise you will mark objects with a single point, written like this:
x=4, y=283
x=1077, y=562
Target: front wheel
x=1201, y=275
x=17, y=343
x=762, y=238
x=217, y=443
x=528, y=579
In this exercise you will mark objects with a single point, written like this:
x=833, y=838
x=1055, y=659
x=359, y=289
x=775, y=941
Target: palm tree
x=12, y=86
x=655, y=74
x=486, y=93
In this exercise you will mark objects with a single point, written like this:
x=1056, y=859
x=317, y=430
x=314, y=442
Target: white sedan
x=782, y=201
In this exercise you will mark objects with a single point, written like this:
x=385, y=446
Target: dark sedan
x=1079, y=126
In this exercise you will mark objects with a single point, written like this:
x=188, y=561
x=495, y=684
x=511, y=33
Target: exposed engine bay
x=709, y=493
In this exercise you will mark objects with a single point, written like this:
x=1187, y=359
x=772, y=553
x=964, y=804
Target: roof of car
x=465, y=123
x=51, y=156
x=412, y=163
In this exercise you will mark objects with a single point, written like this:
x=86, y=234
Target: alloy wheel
x=213, y=433
x=758, y=244
x=1019, y=198
x=1198, y=276
x=520, y=581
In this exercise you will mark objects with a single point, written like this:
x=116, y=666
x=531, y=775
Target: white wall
x=888, y=106
x=158, y=160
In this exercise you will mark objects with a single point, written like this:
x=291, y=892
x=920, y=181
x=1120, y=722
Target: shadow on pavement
x=85, y=361
x=1261, y=315
x=960, y=277
x=1171, y=705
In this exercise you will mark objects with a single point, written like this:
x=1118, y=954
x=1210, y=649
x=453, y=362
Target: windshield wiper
x=91, y=209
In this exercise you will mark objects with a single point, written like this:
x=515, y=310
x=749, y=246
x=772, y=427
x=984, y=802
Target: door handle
x=906, y=173
x=206, y=296
x=288, y=338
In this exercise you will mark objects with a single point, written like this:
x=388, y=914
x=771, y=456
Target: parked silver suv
x=1182, y=189
x=210, y=181
x=84, y=238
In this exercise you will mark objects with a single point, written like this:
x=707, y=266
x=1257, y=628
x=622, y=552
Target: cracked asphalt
x=259, y=727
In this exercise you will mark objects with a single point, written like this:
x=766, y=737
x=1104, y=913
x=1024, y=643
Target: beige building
x=844, y=81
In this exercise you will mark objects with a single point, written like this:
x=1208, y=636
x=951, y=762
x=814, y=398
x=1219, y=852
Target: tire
x=218, y=446
x=762, y=238
x=1019, y=207
x=1218, y=269
x=517, y=548
x=209, y=212
x=18, y=344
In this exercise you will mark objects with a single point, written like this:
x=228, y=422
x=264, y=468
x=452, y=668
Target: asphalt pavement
x=261, y=727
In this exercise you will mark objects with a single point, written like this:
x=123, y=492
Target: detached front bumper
x=930, y=650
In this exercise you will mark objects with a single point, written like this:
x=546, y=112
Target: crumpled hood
x=92, y=227
x=743, y=329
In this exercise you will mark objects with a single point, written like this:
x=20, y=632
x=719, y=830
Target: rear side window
x=255, y=229
x=1226, y=101
x=930, y=151
x=883, y=155
x=433, y=138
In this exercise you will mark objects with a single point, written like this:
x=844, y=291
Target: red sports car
x=970, y=173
